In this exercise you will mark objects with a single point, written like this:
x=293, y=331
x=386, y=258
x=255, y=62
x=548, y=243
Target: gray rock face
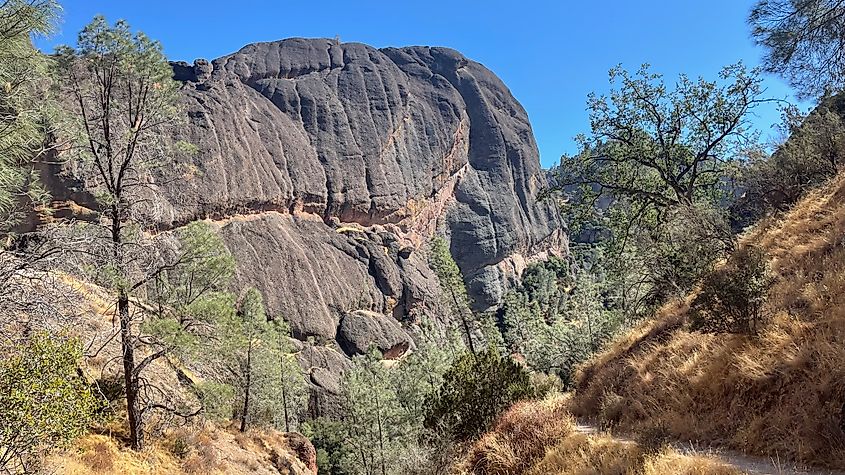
x=311, y=274
x=420, y=138
x=324, y=366
x=359, y=330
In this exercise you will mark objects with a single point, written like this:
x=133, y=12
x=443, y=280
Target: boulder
x=324, y=367
x=303, y=449
x=360, y=330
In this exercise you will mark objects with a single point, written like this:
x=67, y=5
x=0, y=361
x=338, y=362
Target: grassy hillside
x=195, y=450
x=541, y=438
x=177, y=446
x=778, y=393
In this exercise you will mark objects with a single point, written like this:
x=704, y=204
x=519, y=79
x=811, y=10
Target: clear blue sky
x=550, y=53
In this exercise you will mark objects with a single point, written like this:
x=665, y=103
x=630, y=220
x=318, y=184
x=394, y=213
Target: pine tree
x=253, y=358
x=377, y=431
x=418, y=376
x=291, y=381
x=123, y=96
x=26, y=111
x=452, y=283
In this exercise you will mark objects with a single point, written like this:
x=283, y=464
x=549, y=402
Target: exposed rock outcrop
x=327, y=166
x=324, y=366
x=360, y=330
x=312, y=274
x=304, y=450
x=420, y=138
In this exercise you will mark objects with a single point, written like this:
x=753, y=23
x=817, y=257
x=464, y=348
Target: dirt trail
x=748, y=464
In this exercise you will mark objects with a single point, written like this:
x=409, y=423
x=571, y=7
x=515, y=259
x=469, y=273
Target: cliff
x=299, y=138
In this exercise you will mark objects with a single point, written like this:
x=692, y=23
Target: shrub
x=327, y=436
x=180, y=447
x=692, y=240
x=475, y=390
x=732, y=297
x=44, y=402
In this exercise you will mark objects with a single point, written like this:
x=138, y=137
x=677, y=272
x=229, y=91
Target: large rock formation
x=326, y=167
x=309, y=134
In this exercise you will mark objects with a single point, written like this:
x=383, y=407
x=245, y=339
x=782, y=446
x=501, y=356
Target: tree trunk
x=459, y=308
x=380, y=432
x=245, y=410
x=285, y=405
x=133, y=406
x=127, y=342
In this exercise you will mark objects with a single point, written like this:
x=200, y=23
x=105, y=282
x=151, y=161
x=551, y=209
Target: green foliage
x=475, y=390
x=45, y=402
x=203, y=265
x=292, y=386
x=384, y=405
x=216, y=399
x=247, y=353
x=546, y=284
x=732, y=297
x=475, y=328
x=188, y=291
x=186, y=148
x=180, y=447
x=803, y=42
x=417, y=378
x=674, y=259
x=378, y=433
x=253, y=358
x=26, y=112
x=653, y=148
x=654, y=175
x=812, y=154
x=448, y=273
x=557, y=320
x=328, y=437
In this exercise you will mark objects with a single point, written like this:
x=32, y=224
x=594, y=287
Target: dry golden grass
x=590, y=454
x=540, y=438
x=780, y=393
x=669, y=462
x=203, y=451
x=100, y=454
x=520, y=437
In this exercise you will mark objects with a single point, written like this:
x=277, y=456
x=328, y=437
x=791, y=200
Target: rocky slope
x=309, y=134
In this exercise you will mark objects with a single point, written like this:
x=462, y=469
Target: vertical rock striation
x=326, y=165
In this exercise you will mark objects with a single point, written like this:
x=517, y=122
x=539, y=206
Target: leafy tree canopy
x=652, y=148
